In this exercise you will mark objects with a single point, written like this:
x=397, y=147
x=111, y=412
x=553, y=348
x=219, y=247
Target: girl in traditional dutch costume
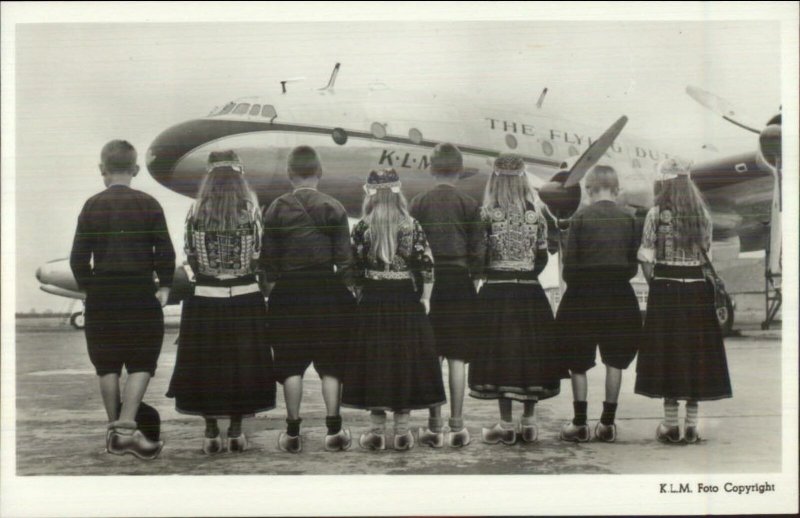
x=224, y=365
x=517, y=356
x=393, y=362
x=682, y=356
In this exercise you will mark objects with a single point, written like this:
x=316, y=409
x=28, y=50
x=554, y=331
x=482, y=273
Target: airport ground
x=61, y=423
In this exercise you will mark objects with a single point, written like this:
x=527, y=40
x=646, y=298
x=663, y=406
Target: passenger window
x=255, y=109
x=241, y=109
x=547, y=147
x=378, y=130
x=227, y=108
x=268, y=111
x=511, y=141
x=573, y=151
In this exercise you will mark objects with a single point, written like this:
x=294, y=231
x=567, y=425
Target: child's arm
x=189, y=246
x=269, y=249
x=422, y=263
x=647, y=249
x=81, y=255
x=340, y=242
x=476, y=243
x=359, y=251
x=163, y=254
x=633, y=247
x=572, y=250
x=484, y=228
x=540, y=245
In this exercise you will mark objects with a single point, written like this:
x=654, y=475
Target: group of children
x=376, y=309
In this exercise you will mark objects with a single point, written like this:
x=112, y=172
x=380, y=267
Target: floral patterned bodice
x=224, y=254
x=413, y=255
x=514, y=238
x=658, y=241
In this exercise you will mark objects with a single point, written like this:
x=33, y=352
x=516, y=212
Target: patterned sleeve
x=647, y=248
x=709, y=234
x=189, y=246
x=541, y=231
x=486, y=228
x=476, y=242
x=258, y=230
x=360, y=249
x=421, y=254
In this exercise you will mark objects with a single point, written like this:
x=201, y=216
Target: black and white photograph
x=399, y=259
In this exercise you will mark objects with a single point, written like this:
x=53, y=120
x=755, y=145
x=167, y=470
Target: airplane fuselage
x=356, y=131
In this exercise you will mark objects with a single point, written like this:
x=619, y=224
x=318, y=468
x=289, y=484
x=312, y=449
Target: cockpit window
x=227, y=108
x=268, y=111
x=241, y=109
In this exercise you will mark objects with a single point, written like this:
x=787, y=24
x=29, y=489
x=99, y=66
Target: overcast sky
x=80, y=85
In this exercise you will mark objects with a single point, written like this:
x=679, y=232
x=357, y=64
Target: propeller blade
x=721, y=107
x=594, y=152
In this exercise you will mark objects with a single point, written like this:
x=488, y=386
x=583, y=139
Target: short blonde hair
x=602, y=177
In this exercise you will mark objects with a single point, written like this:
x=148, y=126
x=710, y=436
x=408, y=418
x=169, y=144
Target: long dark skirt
x=392, y=360
x=682, y=354
x=518, y=355
x=224, y=363
x=453, y=312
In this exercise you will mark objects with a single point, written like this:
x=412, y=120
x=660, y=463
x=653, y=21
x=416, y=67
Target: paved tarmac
x=61, y=424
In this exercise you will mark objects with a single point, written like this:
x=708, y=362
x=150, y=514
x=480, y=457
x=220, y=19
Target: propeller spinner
x=769, y=137
x=562, y=194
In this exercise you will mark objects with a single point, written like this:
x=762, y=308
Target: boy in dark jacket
x=120, y=241
x=452, y=222
x=306, y=235
x=599, y=307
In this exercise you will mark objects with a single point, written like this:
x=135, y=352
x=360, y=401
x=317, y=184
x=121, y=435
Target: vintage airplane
x=358, y=130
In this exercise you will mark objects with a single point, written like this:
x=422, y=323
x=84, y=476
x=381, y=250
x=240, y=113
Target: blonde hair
x=509, y=193
x=224, y=200
x=689, y=211
x=602, y=177
x=384, y=212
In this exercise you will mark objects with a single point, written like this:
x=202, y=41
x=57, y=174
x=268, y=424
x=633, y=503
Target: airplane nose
x=169, y=148
x=39, y=274
x=178, y=142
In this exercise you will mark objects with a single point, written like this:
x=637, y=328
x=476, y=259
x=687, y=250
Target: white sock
x=691, y=413
x=670, y=412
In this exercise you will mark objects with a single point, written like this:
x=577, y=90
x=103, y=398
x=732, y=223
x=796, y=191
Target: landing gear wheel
x=725, y=316
x=77, y=320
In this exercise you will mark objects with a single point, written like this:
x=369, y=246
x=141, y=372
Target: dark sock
x=334, y=424
x=212, y=430
x=609, y=409
x=235, y=428
x=293, y=427
x=580, y=412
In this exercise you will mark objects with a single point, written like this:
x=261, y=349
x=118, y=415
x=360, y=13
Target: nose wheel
x=77, y=320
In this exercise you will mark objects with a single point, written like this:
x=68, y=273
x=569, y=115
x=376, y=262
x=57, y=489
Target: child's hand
x=427, y=304
x=162, y=295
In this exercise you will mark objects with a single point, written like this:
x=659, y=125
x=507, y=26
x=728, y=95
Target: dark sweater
x=602, y=239
x=452, y=223
x=124, y=234
x=304, y=230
